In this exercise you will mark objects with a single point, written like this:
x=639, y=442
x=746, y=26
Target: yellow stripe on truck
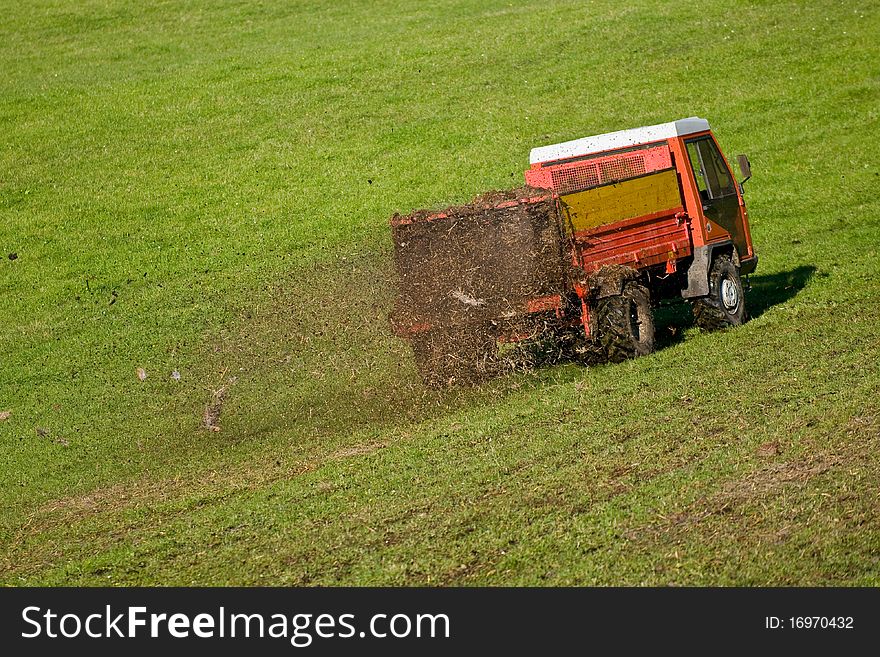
x=623, y=200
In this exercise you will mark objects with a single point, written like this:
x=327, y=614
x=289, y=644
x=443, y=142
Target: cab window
x=710, y=172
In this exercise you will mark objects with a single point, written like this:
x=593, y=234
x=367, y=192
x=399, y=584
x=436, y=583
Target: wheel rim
x=730, y=295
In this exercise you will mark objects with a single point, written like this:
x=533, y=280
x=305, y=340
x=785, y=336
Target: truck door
x=717, y=192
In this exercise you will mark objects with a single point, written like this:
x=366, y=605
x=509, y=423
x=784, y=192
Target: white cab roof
x=620, y=139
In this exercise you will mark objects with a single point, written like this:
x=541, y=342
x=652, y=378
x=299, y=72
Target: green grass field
x=205, y=187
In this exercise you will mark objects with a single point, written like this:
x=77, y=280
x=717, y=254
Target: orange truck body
x=649, y=228
x=670, y=200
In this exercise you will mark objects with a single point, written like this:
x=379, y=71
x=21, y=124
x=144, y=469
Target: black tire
x=445, y=357
x=625, y=323
x=726, y=304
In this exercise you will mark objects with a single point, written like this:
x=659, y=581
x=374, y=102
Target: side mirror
x=744, y=167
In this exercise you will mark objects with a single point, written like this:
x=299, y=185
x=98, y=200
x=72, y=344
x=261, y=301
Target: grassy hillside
x=204, y=188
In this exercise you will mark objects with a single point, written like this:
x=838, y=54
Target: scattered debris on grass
x=768, y=449
x=763, y=482
x=4, y=415
x=211, y=417
x=175, y=375
x=13, y=256
x=43, y=432
x=357, y=450
x=141, y=373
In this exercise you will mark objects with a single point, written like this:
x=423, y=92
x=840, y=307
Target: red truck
x=605, y=227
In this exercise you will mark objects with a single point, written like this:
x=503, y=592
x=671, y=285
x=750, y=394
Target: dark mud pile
x=467, y=277
x=477, y=263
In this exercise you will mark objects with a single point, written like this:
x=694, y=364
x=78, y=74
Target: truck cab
x=714, y=196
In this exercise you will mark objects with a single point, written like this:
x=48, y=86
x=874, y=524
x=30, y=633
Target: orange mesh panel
x=621, y=168
x=577, y=177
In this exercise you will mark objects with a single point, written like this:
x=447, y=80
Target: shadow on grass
x=769, y=290
x=671, y=319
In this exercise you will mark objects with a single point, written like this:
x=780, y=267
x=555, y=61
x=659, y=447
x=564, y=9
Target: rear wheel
x=726, y=305
x=448, y=356
x=625, y=323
